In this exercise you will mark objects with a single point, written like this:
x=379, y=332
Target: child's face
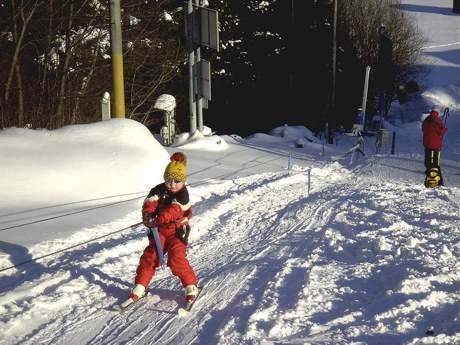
x=174, y=186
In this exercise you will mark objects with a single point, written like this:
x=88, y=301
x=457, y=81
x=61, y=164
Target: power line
x=71, y=247
x=68, y=214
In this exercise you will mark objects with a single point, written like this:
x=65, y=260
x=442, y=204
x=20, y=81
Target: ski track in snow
x=279, y=266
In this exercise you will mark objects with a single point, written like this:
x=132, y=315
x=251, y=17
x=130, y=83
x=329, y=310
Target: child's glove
x=149, y=211
x=149, y=220
x=182, y=233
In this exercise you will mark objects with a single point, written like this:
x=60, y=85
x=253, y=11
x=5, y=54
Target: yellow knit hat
x=177, y=168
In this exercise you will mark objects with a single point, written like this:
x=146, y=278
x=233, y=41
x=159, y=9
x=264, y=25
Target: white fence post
x=366, y=86
x=167, y=104
x=105, y=106
x=290, y=162
x=168, y=131
x=351, y=157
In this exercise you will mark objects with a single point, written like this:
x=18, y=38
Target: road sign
x=202, y=27
x=205, y=76
x=202, y=79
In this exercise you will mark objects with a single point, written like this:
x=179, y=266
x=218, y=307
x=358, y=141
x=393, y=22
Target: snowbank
x=78, y=162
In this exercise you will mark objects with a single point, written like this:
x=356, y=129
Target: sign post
x=201, y=31
x=189, y=23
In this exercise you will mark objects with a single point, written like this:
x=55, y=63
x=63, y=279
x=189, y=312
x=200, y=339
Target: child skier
x=433, y=132
x=167, y=207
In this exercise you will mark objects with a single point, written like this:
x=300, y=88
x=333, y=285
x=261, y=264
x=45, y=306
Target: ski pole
x=156, y=239
x=445, y=115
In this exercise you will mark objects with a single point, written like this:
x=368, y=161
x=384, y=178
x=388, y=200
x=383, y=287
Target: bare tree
x=361, y=20
x=22, y=13
x=65, y=48
x=154, y=53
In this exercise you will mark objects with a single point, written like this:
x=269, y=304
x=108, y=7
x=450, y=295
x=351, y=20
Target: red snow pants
x=177, y=260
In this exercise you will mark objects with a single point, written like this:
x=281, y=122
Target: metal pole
x=191, y=61
x=156, y=239
x=117, y=60
x=366, y=86
x=334, y=54
x=291, y=47
x=382, y=83
x=393, y=143
x=199, y=103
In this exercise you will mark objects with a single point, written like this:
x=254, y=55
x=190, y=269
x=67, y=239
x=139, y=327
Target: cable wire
x=68, y=214
x=71, y=247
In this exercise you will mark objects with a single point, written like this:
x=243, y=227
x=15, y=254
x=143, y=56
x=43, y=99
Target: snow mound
x=85, y=161
x=199, y=141
x=294, y=133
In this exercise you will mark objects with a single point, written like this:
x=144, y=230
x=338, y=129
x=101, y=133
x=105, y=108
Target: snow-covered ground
x=441, y=54
x=330, y=251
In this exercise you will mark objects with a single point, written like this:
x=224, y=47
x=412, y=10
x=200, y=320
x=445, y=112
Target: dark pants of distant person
x=432, y=158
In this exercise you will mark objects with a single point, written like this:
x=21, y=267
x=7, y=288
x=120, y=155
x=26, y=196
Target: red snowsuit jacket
x=171, y=209
x=433, y=131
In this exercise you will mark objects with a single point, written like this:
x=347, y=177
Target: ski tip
x=121, y=307
x=184, y=311
x=118, y=308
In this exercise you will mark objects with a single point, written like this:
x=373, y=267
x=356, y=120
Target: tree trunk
x=44, y=87
x=2, y=118
x=86, y=81
x=20, y=96
x=63, y=81
x=18, y=40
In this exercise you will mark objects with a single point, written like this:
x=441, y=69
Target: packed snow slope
x=324, y=253
x=440, y=27
x=440, y=59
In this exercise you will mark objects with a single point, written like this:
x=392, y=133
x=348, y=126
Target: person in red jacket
x=433, y=132
x=167, y=207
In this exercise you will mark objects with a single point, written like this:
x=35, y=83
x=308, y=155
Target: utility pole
x=117, y=60
x=385, y=71
x=331, y=105
x=191, y=62
x=201, y=30
x=334, y=54
x=291, y=43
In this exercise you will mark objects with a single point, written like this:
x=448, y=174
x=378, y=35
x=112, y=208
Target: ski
x=121, y=307
x=189, y=305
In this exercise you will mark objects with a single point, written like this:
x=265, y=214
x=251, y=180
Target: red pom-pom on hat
x=178, y=157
